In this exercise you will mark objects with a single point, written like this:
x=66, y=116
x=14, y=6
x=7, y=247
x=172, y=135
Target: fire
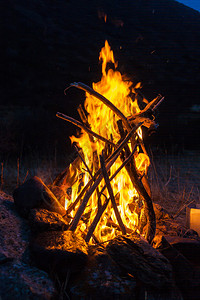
x=103, y=120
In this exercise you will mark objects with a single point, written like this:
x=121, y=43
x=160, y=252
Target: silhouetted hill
x=47, y=44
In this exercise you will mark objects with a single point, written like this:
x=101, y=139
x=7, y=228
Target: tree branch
x=89, y=90
x=82, y=126
x=110, y=191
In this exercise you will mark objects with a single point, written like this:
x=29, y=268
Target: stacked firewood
x=127, y=128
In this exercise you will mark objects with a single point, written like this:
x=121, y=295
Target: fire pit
x=109, y=186
x=95, y=230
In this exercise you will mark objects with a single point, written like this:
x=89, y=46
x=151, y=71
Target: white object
x=193, y=218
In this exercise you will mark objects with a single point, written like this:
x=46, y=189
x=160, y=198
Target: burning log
x=87, y=168
x=110, y=191
x=88, y=194
x=151, y=220
x=102, y=209
x=95, y=155
x=131, y=169
x=117, y=151
x=140, y=188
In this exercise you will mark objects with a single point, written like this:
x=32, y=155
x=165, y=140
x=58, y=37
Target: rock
x=138, y=258
x=187, y=274
x=45, y=220
x=102, y=278
x=59, y=252
x=35, y=194
x=14, y=231
x=20, y=281
x=182, y=268
x=59, y=193
x=189, y=247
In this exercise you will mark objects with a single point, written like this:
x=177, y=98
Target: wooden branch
x=95, y=156
x=61, y=176
x=111, y=223
x=82, y=159
x=101, y=210
x=79, y=197
x=99, y=201
x=137, y=183
x=82, y=115
x=96, y=220
x=88, y=195
x=150, y=106
x=151, y=219
x=89, y=90
x=117, y=151
x=160, y=101
x=82, y=126
x=140, y=141
x=85, y=121
x=110, y=191
x=125, y=141
x=120, y=168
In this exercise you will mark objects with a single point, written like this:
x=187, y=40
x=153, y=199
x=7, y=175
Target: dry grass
x=15, y=172
x=174, y=179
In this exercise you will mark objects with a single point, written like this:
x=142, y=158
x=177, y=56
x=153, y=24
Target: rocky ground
x=41, y=259
x=19, y=279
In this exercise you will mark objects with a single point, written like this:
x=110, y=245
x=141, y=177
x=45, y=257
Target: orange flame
x=102, y=120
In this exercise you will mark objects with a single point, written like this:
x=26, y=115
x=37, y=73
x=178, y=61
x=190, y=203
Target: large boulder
x=35, y=194
x=102, y=278
x=45, y=220
x=14, y=231
x=20, y=281
x=140, y=259
x=186, y=269
x=60, y=252
x=189, y=247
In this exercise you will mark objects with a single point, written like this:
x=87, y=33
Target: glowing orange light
x=102, y=120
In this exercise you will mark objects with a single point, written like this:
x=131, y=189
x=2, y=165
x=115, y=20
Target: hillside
x=48, y=44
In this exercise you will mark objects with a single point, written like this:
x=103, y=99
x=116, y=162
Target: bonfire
x=107, y=185
x=88, y=228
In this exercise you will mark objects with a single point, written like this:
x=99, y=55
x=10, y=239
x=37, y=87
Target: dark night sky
x=48, y=44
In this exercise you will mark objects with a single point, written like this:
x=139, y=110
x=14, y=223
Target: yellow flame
x=103, y=121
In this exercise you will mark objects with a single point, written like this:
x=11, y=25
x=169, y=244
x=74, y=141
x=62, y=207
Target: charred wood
x=117, y=151
x=82, y=126
x=137, y=183
x=89, y=90
x=110, y=191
